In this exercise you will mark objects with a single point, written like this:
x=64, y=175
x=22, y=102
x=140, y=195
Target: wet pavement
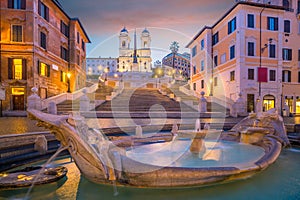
x=19, y=125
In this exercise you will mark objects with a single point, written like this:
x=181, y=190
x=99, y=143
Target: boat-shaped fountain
x=248, y=148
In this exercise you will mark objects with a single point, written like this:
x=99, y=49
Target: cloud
x=105, y=17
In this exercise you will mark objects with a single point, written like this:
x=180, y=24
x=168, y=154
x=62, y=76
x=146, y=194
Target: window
x=194, y=86
x=286, y=76
x=202, y=44
x=232, y=75
x=232, y=52
x=272, y=23
x=202, y=84
x=299, y=77
x=298, y=54
x=272, y=51
x=83, y=45
x=232, y=26
x=216, y=81
x=250, y=21
x=202, y=65
x=17, y=69
x=43, y=69
x=287, y=26
x=194, y=70
x=17, y=33
x=223, y=58
x=250, y=74
x=272, y=75
x=194, y=51
x=215, y=38
x=64, y=53
x=43, y=42
x=216, y=60
x=286, y=54
x=250, y=48
x=78, y=38
x=64, y=28
x=78, y=59
x=298, y=27
x=17, y=4
x=298, y=8
x=63, y=76
x=43, y=10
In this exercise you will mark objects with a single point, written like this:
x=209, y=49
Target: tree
x=174, y=47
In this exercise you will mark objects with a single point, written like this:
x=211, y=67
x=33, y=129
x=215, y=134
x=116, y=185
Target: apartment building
x=179, y=62
x=41, y=46
x=97, y=66
x=253, y=50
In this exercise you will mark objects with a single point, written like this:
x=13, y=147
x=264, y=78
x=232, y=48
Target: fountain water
x=43, y=169
x=139, y=131
x=108, y=164
x=197, y=125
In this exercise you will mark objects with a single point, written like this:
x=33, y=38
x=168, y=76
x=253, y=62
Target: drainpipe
x=260, y=60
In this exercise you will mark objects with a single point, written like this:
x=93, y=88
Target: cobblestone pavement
x=19, y=125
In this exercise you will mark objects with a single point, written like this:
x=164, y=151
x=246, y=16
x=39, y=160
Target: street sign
x=2, y=94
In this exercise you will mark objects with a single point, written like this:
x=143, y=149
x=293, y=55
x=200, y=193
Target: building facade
x=253, y=50
x=179, y=62
x=96, y=66
x=40, y=46
x=127, y=54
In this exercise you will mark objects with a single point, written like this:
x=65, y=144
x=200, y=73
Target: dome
x=124, y=30
x=145, y=31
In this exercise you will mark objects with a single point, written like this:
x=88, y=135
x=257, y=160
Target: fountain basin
x=101, y=161
x=26, y=177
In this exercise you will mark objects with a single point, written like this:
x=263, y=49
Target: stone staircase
x=74, y=105
x=142, y=100
x=194, y=101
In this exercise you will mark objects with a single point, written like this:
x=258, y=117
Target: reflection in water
x=280, y=181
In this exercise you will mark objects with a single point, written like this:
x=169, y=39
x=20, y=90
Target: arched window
x=123, y=43
x=286, y=4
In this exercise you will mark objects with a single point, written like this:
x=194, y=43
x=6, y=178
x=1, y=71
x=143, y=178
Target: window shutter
x=276, y=24
x=289, y=76
x=61, y=76
x=228, y=28
x=10, y=4
x=268, y=23
x=47, y=13
x=24, y=69
x=38, y=68
x=48, y=70
x=290, y=54
x=39, y=7
x=23, y=4
x=10, y=70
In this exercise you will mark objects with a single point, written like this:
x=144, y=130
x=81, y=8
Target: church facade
x=134, y=59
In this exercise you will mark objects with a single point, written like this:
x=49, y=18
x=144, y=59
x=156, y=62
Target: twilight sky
x=167, y=20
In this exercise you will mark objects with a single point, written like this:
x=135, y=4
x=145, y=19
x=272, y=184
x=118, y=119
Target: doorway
x=18, y=102
x=250, y=103
x=269, y=102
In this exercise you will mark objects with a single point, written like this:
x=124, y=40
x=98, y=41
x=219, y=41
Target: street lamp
x=211, y=86
x=69, y=76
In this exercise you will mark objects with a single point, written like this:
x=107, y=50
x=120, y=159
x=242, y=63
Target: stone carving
x=202, y=107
